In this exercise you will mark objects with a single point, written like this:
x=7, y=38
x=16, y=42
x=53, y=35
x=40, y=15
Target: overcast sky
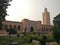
x=32, y=9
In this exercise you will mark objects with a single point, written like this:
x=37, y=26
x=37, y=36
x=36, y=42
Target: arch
x=10, y=26
x=14, y=26
x=25, y=29
x=19, y=28
x=5, y=26
x=31, y=29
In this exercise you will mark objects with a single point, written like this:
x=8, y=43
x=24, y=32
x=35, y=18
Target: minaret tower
x=46, y=17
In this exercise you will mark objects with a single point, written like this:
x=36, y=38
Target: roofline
x=13, y=21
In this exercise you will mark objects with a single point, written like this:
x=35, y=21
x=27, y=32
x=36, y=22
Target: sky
x=32, y=9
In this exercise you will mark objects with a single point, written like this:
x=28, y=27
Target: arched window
x=42, y=28
x=32, y=29
x=49, y=29
x=38, y=31
x=5, y=26
x=14, y=26
x=46, y=29
x=10, y=26
x=25, y=29
x=19, y=28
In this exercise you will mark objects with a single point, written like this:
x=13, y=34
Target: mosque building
x=28, y=26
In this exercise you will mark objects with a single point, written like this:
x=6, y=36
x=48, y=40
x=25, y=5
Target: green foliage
x=3, y=12
x=40, y=37
x=4, y=40
x=50, y=38
x=56, y=34
x=11, y=31
x=25, y=40
x=56, y=28
x=32, y=43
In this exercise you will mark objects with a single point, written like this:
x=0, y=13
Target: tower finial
x=45, y=9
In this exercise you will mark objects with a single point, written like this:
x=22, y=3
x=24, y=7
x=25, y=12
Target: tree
x=56, y=28
x=3, y=12
x=12, y=31
x=56, y=34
